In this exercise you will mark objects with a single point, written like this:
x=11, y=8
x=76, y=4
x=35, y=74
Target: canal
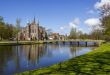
x=16, y=59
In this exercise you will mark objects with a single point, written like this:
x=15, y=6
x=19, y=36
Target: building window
x=35, y=30
x=32, y=31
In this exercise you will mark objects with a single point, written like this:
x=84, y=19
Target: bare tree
x=18, y=21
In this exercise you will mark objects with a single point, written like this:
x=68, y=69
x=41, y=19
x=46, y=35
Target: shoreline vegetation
x=3, y=43
x=96, y=62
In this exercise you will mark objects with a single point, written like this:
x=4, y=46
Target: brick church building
x=33, y=32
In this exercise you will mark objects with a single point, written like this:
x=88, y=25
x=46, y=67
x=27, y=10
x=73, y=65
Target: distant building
x=62, y=37
x=33, y=32
x=54, y=36
x=57, y=36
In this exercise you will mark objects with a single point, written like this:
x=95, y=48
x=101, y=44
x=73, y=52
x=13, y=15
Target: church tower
x=35, y=28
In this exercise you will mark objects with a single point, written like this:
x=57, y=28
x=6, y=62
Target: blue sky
x=53, y=14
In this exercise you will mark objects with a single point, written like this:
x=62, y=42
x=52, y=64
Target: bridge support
x=63, y=42
x=78, y=43
x=95, y=44
x=70, y=42
x=86, y=44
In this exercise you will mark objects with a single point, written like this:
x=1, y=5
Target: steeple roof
x=34, y=21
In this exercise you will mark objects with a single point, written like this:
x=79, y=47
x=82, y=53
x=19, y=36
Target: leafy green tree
x=96, y=34
x=2, y=27
x=81, y=35
x=73, y=34
x=106, y=26
x=7, y=31
x=105, y=13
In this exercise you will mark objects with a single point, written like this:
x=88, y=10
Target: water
x=16, y=59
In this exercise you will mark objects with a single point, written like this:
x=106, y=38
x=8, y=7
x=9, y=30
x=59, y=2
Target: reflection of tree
x=17, y=54
x=51, y=47
x=17, y=59
x=54, y=46
x=74, y=50
x=5, y=55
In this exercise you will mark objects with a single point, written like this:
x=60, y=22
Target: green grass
x=96, y=62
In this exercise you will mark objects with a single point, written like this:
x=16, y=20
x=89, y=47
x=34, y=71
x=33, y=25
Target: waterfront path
x=47, y=41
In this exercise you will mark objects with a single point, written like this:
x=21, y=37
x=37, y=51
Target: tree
x=96, y=34
x=106, y=26
x=9, y=32
x=105, y=10
x=80, y=35
x=105, y=20
x=2, y=27
x=48, y=33
x=17, y=27
x=6, y=30
x=73, y=34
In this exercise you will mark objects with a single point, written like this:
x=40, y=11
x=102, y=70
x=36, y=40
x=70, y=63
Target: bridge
x=96, y=42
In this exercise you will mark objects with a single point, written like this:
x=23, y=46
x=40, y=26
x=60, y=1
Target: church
x=33, y=32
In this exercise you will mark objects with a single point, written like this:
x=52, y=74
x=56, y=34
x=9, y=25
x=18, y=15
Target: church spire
x=38, y=22
x=34, y=21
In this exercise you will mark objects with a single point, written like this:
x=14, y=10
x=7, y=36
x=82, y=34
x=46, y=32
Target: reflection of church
x=33, y=53
x=33, y=32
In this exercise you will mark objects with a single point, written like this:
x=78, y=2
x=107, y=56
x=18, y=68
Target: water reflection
x=15, y=59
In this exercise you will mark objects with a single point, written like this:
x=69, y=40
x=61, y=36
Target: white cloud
x=62, y=28
x=92, y=22
x=80, y=29
x=76, y=21
x=72, y=24
x=102, y=3
x=90, y=12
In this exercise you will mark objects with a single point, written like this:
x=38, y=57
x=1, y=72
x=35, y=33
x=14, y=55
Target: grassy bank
x=96, y=62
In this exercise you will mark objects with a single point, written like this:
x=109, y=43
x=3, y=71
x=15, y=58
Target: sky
x=57, y=15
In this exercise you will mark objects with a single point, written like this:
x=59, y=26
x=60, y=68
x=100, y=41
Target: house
x=57, y=36
x=54, y=36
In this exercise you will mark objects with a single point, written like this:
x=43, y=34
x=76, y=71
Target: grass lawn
x=96, y=62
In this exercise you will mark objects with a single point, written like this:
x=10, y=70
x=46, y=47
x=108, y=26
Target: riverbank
x=2, y=43
x=96, y=62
